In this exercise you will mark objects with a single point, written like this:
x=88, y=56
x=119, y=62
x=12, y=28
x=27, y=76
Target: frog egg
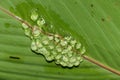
x=45, y=42
x=37, y=41
x=50, y=38
x=54, y=52
x=70, y=65
x=73, y=59
x=59, y=49
x=78, y=58
x=49, y=58
x=33, y=46
x=43, y=50
x=65, y=59
x=58, y=56
x=78, y=45
x=76, y=63
x=70, y=54
x=51, y=47
x=73, y=42
x=56, y=40
x=56, y=35
x=57, y=61
x=67, y=38
x=24, y=26
x=27, y=32
x=81, y=60
x=39, y=45
x=63, y=64
x=36, y=32
x=63, y=43
x=51, y=26
x=69, y=48
x=83, y=50
x=65, y=51
x=41, y=22
x=34, y=15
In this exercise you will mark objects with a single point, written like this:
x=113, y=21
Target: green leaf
x=95, y=23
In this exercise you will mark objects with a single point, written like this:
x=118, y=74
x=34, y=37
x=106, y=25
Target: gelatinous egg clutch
x=63, y=50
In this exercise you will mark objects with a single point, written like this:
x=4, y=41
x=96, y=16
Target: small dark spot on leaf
x=92, y=5
x=103, y=19
x=14, y=57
